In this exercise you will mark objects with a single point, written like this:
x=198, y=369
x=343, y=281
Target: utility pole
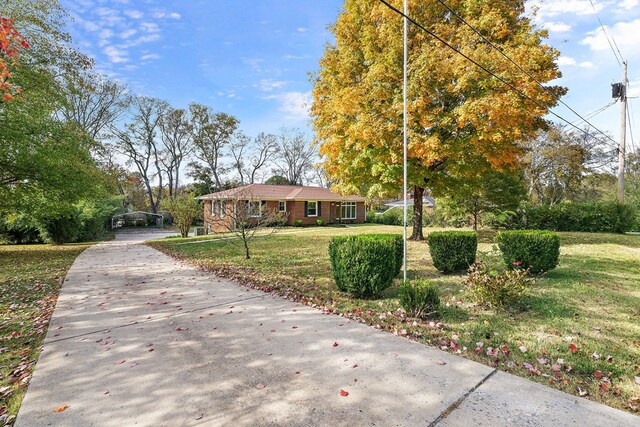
x=623, y=133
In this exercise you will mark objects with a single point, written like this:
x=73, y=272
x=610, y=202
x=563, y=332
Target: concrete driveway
x=138, y=338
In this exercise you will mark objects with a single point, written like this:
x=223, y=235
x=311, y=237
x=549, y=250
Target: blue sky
x=251, y=58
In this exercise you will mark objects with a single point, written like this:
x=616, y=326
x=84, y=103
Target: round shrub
x=320, y=222
x=420, y=299
x=533, y=250
x=365, y=265
x=297, y=223
x=494, y=288
x=453, y=251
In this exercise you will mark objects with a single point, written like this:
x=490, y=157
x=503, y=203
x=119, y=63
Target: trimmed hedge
x=604, y=217
x=365, y=265
x=453, y=251
x=535, y=250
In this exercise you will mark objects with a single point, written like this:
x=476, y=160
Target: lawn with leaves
x=30, y=279
x=578, y=330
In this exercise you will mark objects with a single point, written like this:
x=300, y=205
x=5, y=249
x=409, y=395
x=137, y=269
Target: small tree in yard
x=184, y=209
x=244, y=216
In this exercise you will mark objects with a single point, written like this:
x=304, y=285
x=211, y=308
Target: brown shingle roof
x=280, y=192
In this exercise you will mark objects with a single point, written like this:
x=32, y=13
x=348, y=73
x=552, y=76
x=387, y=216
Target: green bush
x=60, y=228
x=533, y=250
x=320, y=222
x=496, y=288
x=297, y=223
x=607, y=217
x=453, y=251
x=95, y=218
x=19, y=228
x=420, y=299
x=365, y=265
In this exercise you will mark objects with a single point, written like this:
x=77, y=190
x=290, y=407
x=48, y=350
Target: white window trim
x=353, y=205
x=223, y=208
x=213, y=207
x=315, y=214
x=259, y=208
x=285, y=206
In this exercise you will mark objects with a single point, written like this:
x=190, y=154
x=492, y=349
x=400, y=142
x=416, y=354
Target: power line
x=594, y=113
x=502, y=80
x=619, y=59
x=527, y=73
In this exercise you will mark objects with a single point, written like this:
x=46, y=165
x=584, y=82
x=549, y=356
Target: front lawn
x=30, y=279
x=578, y=330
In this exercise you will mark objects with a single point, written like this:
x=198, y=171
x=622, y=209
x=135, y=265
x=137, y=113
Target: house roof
x=280, y=192
x=427, y=201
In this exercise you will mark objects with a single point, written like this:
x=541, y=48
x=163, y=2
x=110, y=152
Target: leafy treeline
x=76, y=148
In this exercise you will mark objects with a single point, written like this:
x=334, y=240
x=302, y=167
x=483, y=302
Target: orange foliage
x=11, y=41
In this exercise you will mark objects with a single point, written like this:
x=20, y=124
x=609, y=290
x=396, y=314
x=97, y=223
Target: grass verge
x=577, y=331
x=30, y=280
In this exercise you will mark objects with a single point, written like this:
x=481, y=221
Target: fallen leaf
x=582, y=392
x=199, y=417
x=597, y=374
x=344, y=393
x=260, y=386
x=120, y=362
x=523, y=349
x=555, y=368
x=61, y=408
x=440, y=362
x=573, y=347
x=335, y=344
x=542, y=361
x=638, y=380
x=604, y=387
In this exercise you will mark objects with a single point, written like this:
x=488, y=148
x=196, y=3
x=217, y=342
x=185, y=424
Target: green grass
x=30, y=279
x=591, y=300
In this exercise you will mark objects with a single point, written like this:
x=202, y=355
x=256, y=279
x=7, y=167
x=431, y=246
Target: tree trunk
x=475, y=214
x=417, y=234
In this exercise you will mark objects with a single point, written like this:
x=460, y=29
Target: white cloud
x=566, y=60
x=557, y=27
x=149, y=56
x=626, y=35
x=127, y=33
x=134, y=14
x=297, y=56
x=549, y=8
x=115, y=55
x=159, y=14
x=628, y=4
x=295, y=105
x=269, y=85
x=586, y=64
x=302, y=29
x=149, y=27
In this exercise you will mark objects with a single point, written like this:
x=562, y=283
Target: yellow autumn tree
x=461, y=120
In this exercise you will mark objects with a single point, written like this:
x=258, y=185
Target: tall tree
x=461, y=120
x=11, y=43
x=138, y=140
x=295, y=155
x=557, y=161
x=238, y=149
x=93, y=102
x=212, y=133
x=177, y=136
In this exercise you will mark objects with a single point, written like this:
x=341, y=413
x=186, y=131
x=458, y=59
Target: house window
x=213, y=207
x=254, y=208
x=282, y=206
x=223, y=208
x=349, y=210
x=312, y=208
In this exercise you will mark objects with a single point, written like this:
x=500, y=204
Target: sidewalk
x=140, y=339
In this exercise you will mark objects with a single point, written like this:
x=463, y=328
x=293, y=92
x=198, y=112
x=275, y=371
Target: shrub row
x=453, y=251
x=365, y=265
x=608, y=217
x=533, y=250
x=83, y=222
x=433, y=218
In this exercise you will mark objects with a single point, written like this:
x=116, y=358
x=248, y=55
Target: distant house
x=428, y=202
x=306, y=204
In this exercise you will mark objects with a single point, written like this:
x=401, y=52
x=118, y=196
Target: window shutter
x=319, y=204
x=306, y=208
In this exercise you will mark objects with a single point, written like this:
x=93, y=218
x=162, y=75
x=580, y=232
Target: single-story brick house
x=295, y=202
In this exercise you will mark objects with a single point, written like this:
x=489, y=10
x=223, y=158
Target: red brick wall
x=295, y=210
x=216, y=224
